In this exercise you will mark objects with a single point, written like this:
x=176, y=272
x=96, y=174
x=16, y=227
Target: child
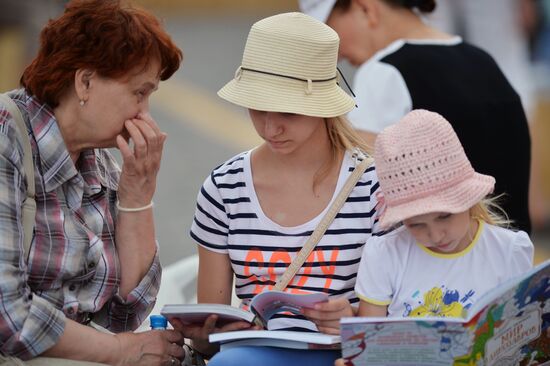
x=449, y=250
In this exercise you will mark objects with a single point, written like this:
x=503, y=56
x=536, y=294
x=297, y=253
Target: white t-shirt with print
x=412, y=280
x=230, y=220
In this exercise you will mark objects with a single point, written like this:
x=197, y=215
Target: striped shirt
x=73, y=269
x=228, y=219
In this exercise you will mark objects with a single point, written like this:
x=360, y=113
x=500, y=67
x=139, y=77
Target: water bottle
x=158, y=322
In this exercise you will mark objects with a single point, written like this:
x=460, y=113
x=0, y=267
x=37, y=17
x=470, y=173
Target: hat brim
x=450, y=200
x=279, y=94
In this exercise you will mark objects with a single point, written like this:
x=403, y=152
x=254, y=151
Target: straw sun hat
x=422, y=168
x=289, y=65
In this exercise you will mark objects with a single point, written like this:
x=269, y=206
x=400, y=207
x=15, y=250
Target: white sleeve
x=374, y=282
x=522, y=254
x=382, y=97
x=210, y=225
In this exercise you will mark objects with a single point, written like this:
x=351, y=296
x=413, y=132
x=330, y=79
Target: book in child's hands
x=509, y=325
x=276, y=338
x=262, y=307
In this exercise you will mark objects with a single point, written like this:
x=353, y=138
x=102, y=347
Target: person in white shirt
x=405, y=64
x=449, y=248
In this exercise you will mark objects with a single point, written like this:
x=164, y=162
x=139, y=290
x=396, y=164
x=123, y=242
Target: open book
x=262, y=307
x=509, y=325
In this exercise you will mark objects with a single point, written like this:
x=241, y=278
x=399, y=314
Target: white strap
x=29, y=205
x=319, y=231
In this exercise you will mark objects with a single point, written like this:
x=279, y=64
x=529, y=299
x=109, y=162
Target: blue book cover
x=507, y=326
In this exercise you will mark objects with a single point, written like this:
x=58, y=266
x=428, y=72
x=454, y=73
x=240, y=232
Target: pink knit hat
x=422, y=169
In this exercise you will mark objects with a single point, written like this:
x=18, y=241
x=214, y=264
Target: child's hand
x=327, y=315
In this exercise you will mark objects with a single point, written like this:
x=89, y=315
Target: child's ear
x=370, y=9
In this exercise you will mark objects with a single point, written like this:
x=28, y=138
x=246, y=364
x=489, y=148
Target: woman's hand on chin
x=141, y=162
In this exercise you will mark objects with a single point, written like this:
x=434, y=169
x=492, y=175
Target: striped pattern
x=229, y=220
x=296, y=46
x=73, y=270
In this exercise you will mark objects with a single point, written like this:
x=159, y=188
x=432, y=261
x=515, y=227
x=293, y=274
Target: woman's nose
x=272, y=124
x=144, y=107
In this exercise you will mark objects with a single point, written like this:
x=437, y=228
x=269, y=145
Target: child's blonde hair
x=489, y=210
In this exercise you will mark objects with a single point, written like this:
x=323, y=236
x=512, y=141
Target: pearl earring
x=82, y=103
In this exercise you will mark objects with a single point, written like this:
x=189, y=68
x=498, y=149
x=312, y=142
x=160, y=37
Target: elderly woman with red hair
x=93, y=254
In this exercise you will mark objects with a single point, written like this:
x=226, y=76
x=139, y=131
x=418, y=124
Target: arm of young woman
x=215, y=281
x=215, y=285
x=327, y=315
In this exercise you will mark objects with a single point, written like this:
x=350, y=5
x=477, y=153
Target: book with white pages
x=262, y=307
x=276, y=338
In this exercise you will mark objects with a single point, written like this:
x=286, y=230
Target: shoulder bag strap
x=29, y=205
x=323, y=225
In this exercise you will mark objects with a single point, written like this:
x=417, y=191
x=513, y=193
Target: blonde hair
x=342, y=137
x=489, y=210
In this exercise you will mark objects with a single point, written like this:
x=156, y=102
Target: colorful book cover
x=507, y=326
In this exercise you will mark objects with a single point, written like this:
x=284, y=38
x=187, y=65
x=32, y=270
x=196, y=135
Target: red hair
x=102, y=35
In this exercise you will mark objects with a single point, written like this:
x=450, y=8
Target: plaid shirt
x=73, y=269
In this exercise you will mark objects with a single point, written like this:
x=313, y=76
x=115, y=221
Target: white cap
x=318, y=9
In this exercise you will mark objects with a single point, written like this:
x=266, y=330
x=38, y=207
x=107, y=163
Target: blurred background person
x=537, y=23
x=500, y=27
x=405, y=64
x=540, y=36
x=504, y=29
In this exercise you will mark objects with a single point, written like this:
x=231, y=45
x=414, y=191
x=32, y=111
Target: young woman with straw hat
x=256, y=210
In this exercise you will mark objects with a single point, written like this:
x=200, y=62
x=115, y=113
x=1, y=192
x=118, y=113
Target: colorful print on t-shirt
x=441, y=302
